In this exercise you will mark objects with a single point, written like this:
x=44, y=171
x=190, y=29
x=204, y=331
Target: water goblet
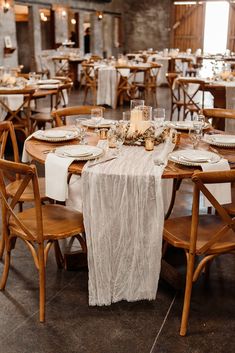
x=81, y=129
x=136, y=103
x=96, y=117
x=159, y=116
x=194, y=136
x=199, y=123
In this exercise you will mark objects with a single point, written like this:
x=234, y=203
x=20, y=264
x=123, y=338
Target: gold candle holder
x=103, y=134
x=149, y=143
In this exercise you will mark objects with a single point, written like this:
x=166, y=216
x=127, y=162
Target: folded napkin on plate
x=222, y=192
x=56, y=172
x=161, y=158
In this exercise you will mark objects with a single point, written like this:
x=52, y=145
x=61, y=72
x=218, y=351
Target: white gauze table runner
x=123, y=216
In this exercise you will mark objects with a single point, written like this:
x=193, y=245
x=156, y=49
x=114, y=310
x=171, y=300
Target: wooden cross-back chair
x=40, y=227
x=60, y=115
x=201, y=236
x=21, y=116
x=151, y=83
x=176, y=101
x=90, y=81
x=61, y=65
x=126, y=87
x=39, y=120
x=191, y=90
x=7, y=133
x=218, y=116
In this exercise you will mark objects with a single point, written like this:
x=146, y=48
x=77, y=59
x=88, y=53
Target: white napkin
x=56, y=172
x=25, y=157
x=161, y=158
x=222, y=191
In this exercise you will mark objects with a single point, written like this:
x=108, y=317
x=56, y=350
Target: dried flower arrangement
x=138, y=138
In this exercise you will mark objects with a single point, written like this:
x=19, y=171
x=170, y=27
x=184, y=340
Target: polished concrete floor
x=140, y=327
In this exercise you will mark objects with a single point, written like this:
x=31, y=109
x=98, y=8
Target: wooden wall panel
x=188, y=26
x=231, y=28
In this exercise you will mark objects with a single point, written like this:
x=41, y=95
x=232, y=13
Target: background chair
x=40, y=226
x=90, y=78
x=203, y=237
x=7, y=133
x=20, y=116
x=60, y=115
x=39, y=120
x=193, y=93
x=177, y=102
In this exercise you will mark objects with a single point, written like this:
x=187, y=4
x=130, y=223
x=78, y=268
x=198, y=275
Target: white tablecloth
x=107, y=86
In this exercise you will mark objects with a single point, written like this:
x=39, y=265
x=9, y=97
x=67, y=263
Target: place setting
x=96, y=120
x=54, y=135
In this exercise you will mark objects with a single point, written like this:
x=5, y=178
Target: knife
x=102, y=161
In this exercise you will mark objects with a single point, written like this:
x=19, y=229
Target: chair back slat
x=60, y=115
x=28, y=174
x=21, y=123
x=200, y=179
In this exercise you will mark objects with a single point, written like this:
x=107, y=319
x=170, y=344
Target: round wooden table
x=38, y=149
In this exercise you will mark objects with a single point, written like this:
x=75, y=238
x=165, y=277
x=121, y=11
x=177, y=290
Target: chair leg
x=58, y=255
x=187, y=295
x=5, y=270
x=85, y=94
x=2, y=246
x=42, y=280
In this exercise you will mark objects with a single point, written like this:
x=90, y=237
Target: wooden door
x=188, y=26
x=231, y=28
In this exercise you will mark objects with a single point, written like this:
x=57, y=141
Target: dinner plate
x=104, y=123
x=79, y=152
x=220, y=140
x=55, y=135
x=193, y=157
x=49, y=81
x=184, y=125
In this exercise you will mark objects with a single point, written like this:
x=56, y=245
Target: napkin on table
x=222, y=191
x=56, y=172
x=25, y=157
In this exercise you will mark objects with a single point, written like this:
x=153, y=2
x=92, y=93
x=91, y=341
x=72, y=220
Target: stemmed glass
x=199, y=122
x=120, y=136
x=194, y=136
x=81, y=129
x=96, y=117
x=159, y=116
x=136, y=103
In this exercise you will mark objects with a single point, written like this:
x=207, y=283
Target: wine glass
x=120, y=137
x=198, y=124
x=81, y=129
x=159, y=116
x=194, y=136
x=96, y=116
x=136, y=103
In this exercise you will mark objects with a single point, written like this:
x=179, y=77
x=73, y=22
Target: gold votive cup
x=176, y=138
x=103, y=134
x=149, y=143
